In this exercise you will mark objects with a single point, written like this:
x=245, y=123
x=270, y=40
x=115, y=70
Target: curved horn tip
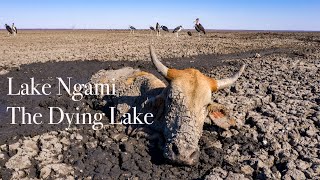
x=242, y=68
x=160, y=67
x=224, y=83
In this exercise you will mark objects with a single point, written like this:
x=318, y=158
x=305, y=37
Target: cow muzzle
x=182, y=153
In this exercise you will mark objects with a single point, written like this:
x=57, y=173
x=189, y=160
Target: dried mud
x=275, y=102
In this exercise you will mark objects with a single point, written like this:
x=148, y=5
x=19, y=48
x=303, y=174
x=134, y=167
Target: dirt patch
x=31, y=46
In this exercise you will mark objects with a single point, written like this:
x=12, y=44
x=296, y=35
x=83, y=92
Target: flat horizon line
x=210, y=30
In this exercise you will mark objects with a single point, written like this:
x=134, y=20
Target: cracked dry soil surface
x=275, y=102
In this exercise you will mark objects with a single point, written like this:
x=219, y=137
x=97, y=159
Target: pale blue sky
x=115, y=14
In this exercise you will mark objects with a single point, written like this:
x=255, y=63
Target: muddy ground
x=276, y=104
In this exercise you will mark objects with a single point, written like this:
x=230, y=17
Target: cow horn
x=223, y=83
x=160, y=67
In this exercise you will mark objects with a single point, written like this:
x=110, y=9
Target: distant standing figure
x=199, y=27
x=151, y=29
x=14, y=29
x=132, y=29
x=177, y=29
x=158, y=29
x=165, y=28
x=8, y=29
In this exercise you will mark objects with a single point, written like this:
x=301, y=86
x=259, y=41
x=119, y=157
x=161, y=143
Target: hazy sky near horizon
x=119, y=14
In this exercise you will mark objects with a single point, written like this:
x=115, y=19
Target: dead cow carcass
x=180, y=109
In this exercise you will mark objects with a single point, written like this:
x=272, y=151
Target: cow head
x=187, y=103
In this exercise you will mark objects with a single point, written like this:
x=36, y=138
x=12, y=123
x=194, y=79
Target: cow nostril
x=195, y=155
x=175, y=149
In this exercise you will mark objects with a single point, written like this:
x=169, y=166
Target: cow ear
x=219, y=116
x=155, y=105
x=155, y=102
